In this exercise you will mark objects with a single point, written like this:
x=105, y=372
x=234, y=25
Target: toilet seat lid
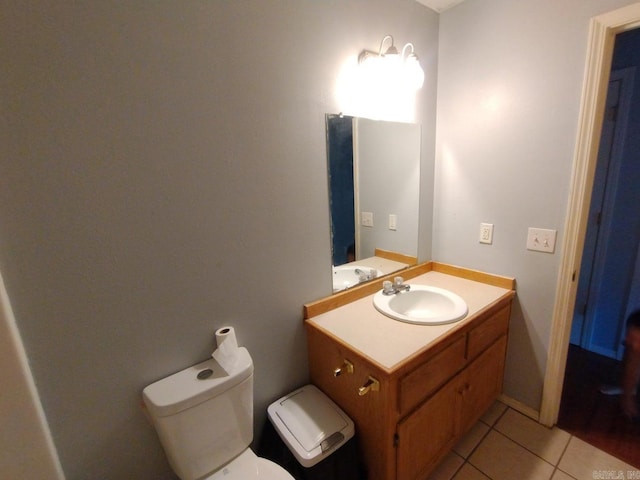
x=248, y=466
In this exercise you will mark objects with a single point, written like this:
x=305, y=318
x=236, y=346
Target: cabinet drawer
x=424, y=380
x=489, y=331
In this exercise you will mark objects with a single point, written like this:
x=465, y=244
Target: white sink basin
x=345, y=276
x=422, y=305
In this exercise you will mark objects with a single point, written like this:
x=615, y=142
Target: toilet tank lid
x=194, y=385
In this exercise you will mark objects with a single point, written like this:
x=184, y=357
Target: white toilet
x=204, y=418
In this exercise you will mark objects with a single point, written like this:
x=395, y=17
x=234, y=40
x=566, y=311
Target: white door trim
x=603, y=30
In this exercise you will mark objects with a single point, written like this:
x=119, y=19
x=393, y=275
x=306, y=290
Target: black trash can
x=311, y=437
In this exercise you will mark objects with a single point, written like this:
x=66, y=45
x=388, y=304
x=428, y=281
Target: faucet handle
x=397, y=281
x=387, y=287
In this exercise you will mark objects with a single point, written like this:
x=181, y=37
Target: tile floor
x=508, y=445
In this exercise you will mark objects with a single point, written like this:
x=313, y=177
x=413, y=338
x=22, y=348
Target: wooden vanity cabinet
x=425, y=404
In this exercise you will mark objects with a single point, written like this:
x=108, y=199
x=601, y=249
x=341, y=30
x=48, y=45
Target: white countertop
x=385, y=265
x=389, y=342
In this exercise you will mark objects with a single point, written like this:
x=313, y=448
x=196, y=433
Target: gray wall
x=163, y=174
x=26, y=447
x=510, y=79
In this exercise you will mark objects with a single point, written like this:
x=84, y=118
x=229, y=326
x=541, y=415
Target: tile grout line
x=564, y=450
x=459, y=468
x=492, y=427
x=524, y=447
x=466, y=459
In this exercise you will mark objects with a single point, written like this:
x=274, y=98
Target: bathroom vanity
x=412, y=390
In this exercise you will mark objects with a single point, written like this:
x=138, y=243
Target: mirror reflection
x=374, y=188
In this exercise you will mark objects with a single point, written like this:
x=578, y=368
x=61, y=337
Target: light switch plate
x=541, y=240
x=393, y=222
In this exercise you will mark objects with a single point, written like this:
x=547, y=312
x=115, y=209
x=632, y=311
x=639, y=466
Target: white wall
x=163, y=174
x=509, y=85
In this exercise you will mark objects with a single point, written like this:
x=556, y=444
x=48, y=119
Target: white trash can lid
x=311, y=424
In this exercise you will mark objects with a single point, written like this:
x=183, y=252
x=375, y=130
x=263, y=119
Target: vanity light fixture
x=413, y=71
x=397, y=69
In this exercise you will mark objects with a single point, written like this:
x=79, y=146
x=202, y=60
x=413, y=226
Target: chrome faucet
x=398, y=285
x=363, y=275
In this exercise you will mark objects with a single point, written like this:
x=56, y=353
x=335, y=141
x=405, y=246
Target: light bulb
x=414, y=75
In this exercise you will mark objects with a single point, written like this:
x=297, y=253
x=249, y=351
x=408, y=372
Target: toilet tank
x=203, y=415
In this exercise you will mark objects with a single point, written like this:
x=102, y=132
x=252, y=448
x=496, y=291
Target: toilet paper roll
x=227, y=352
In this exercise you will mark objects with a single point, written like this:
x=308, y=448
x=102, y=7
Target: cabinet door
x=483, y=383
x=425, y=436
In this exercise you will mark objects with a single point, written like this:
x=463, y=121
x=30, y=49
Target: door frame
x=602, y=32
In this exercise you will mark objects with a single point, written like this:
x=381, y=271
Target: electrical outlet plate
x=541, y=240
x=486, y=233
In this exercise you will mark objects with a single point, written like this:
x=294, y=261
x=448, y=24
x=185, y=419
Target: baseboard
x=520, y=407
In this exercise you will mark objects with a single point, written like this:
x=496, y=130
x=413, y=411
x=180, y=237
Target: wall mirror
x=374, y=187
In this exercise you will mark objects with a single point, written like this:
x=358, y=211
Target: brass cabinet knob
x=347, y=367
x=371, y=385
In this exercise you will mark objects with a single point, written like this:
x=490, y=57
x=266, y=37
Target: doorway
x=603, y=30
x=341, y=188
x=604, y=296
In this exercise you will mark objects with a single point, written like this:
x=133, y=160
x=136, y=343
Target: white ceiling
x=440, y=5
